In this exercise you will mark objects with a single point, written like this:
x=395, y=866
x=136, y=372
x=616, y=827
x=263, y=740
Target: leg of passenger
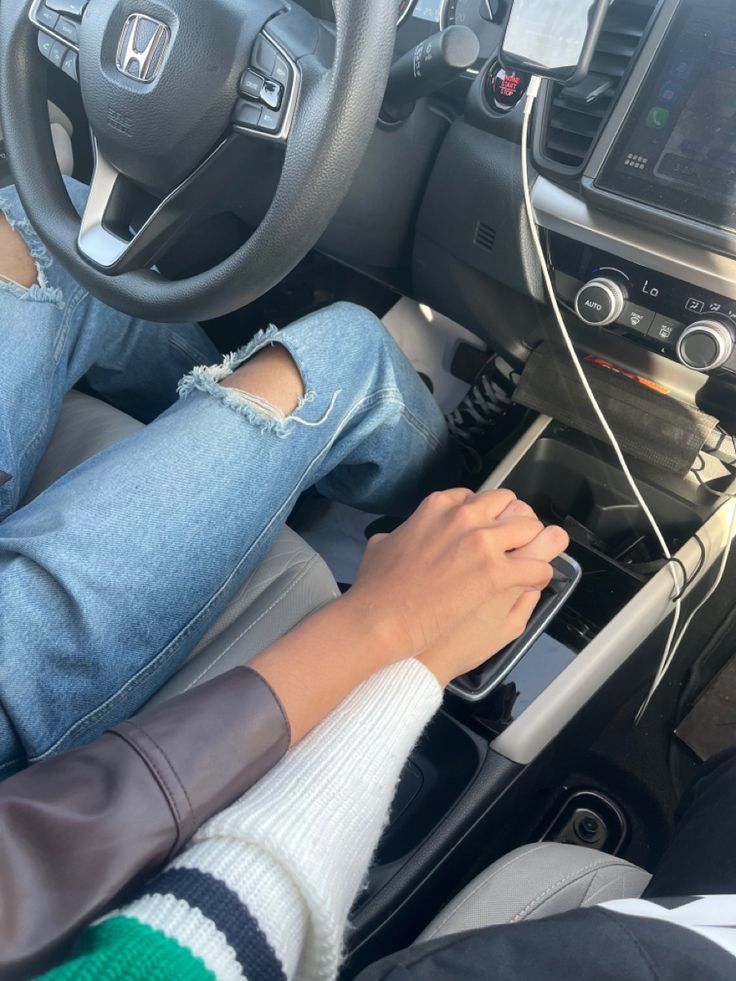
x=701, y=858
x=52, y=333
x=110, y=578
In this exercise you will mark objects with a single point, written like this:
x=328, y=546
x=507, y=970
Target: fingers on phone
x=519, y=532
x=546, y=546
x=522, y=611
x=492, y=504
x=526, y=574
x=517, y=509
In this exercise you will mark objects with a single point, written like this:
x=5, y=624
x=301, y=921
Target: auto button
x=600, y=302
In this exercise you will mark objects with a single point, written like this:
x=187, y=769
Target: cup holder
x=592, y=500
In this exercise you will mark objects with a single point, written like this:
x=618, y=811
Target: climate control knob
x=707, y=344
x=600, y=302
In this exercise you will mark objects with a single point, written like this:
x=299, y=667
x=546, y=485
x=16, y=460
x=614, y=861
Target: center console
x=486, y=776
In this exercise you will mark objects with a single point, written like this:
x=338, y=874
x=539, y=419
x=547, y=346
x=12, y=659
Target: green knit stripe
x=124, y=949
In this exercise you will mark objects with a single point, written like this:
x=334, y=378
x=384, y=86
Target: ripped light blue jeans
x=110, y=578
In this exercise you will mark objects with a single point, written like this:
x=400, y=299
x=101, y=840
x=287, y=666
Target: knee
x=352, y=332
x=16, y=262
x=271, y=381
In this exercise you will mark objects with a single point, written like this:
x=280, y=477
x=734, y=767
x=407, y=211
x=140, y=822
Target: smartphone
x=553, y=38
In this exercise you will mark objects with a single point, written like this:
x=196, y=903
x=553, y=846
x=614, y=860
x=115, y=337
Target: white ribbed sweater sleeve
x=297, y=847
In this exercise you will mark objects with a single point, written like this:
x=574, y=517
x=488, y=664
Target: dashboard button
x=503, y=89
x=636, y=318
x=600, y=302
x=665, y=331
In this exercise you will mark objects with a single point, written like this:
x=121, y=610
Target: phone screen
x=553, y=38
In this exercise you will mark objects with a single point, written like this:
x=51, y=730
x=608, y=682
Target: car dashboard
x=634, y=187
x=635, y=190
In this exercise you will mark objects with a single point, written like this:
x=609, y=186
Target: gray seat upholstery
x=535, y=881
x=291, y=582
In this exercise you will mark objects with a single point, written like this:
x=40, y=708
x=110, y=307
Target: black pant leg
x=701, y=858
x=584, y=945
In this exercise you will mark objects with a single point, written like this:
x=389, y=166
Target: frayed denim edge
x=257, y=411
x=41, y=292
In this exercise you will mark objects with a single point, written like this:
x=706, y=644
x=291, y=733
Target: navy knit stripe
x=222, y=906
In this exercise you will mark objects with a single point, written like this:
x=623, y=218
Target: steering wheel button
x=270, y=121
x=280, y=71
x=264, y=56
x=251, y=84
x=272, y=94
x=71, y=66
x=46, y=17
x=74, y=8
x=68, y=29
x=246, y=114
x=45, y=44
x=58, y=54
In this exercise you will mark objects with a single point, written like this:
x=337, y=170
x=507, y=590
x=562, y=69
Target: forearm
x=319, y=663
x=78, y=829
x=285, y=863
x=125, y=804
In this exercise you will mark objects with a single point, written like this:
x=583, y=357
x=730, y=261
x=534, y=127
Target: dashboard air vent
x=485, y=236
x=576, y=114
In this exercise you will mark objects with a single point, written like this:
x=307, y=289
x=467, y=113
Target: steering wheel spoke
x=122, y=230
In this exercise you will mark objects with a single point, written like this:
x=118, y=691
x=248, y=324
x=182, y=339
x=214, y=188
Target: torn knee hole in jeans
x=262, y=413
x=25, y=241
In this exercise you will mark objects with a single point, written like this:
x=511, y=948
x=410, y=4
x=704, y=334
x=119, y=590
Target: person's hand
x=501, y=620
x=460, y=556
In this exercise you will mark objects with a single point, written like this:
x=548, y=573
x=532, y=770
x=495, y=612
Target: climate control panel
x=689, y=325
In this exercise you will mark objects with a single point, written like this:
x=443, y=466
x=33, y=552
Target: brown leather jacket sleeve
x=78, y=830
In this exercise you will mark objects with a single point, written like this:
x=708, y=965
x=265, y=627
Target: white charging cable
x=675, y=646
x=670, y=646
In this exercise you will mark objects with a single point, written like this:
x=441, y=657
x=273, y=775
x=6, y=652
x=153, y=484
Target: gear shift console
x=480, y=683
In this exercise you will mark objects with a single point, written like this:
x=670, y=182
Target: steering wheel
x=178, y=93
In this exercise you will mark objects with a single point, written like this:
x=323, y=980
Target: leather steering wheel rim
x=333, y=123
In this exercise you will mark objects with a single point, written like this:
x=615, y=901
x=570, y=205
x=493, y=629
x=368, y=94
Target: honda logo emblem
x=143, y=45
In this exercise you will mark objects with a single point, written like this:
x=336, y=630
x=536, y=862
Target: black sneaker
x=480, y=421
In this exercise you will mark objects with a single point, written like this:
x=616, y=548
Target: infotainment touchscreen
x=678, y=150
